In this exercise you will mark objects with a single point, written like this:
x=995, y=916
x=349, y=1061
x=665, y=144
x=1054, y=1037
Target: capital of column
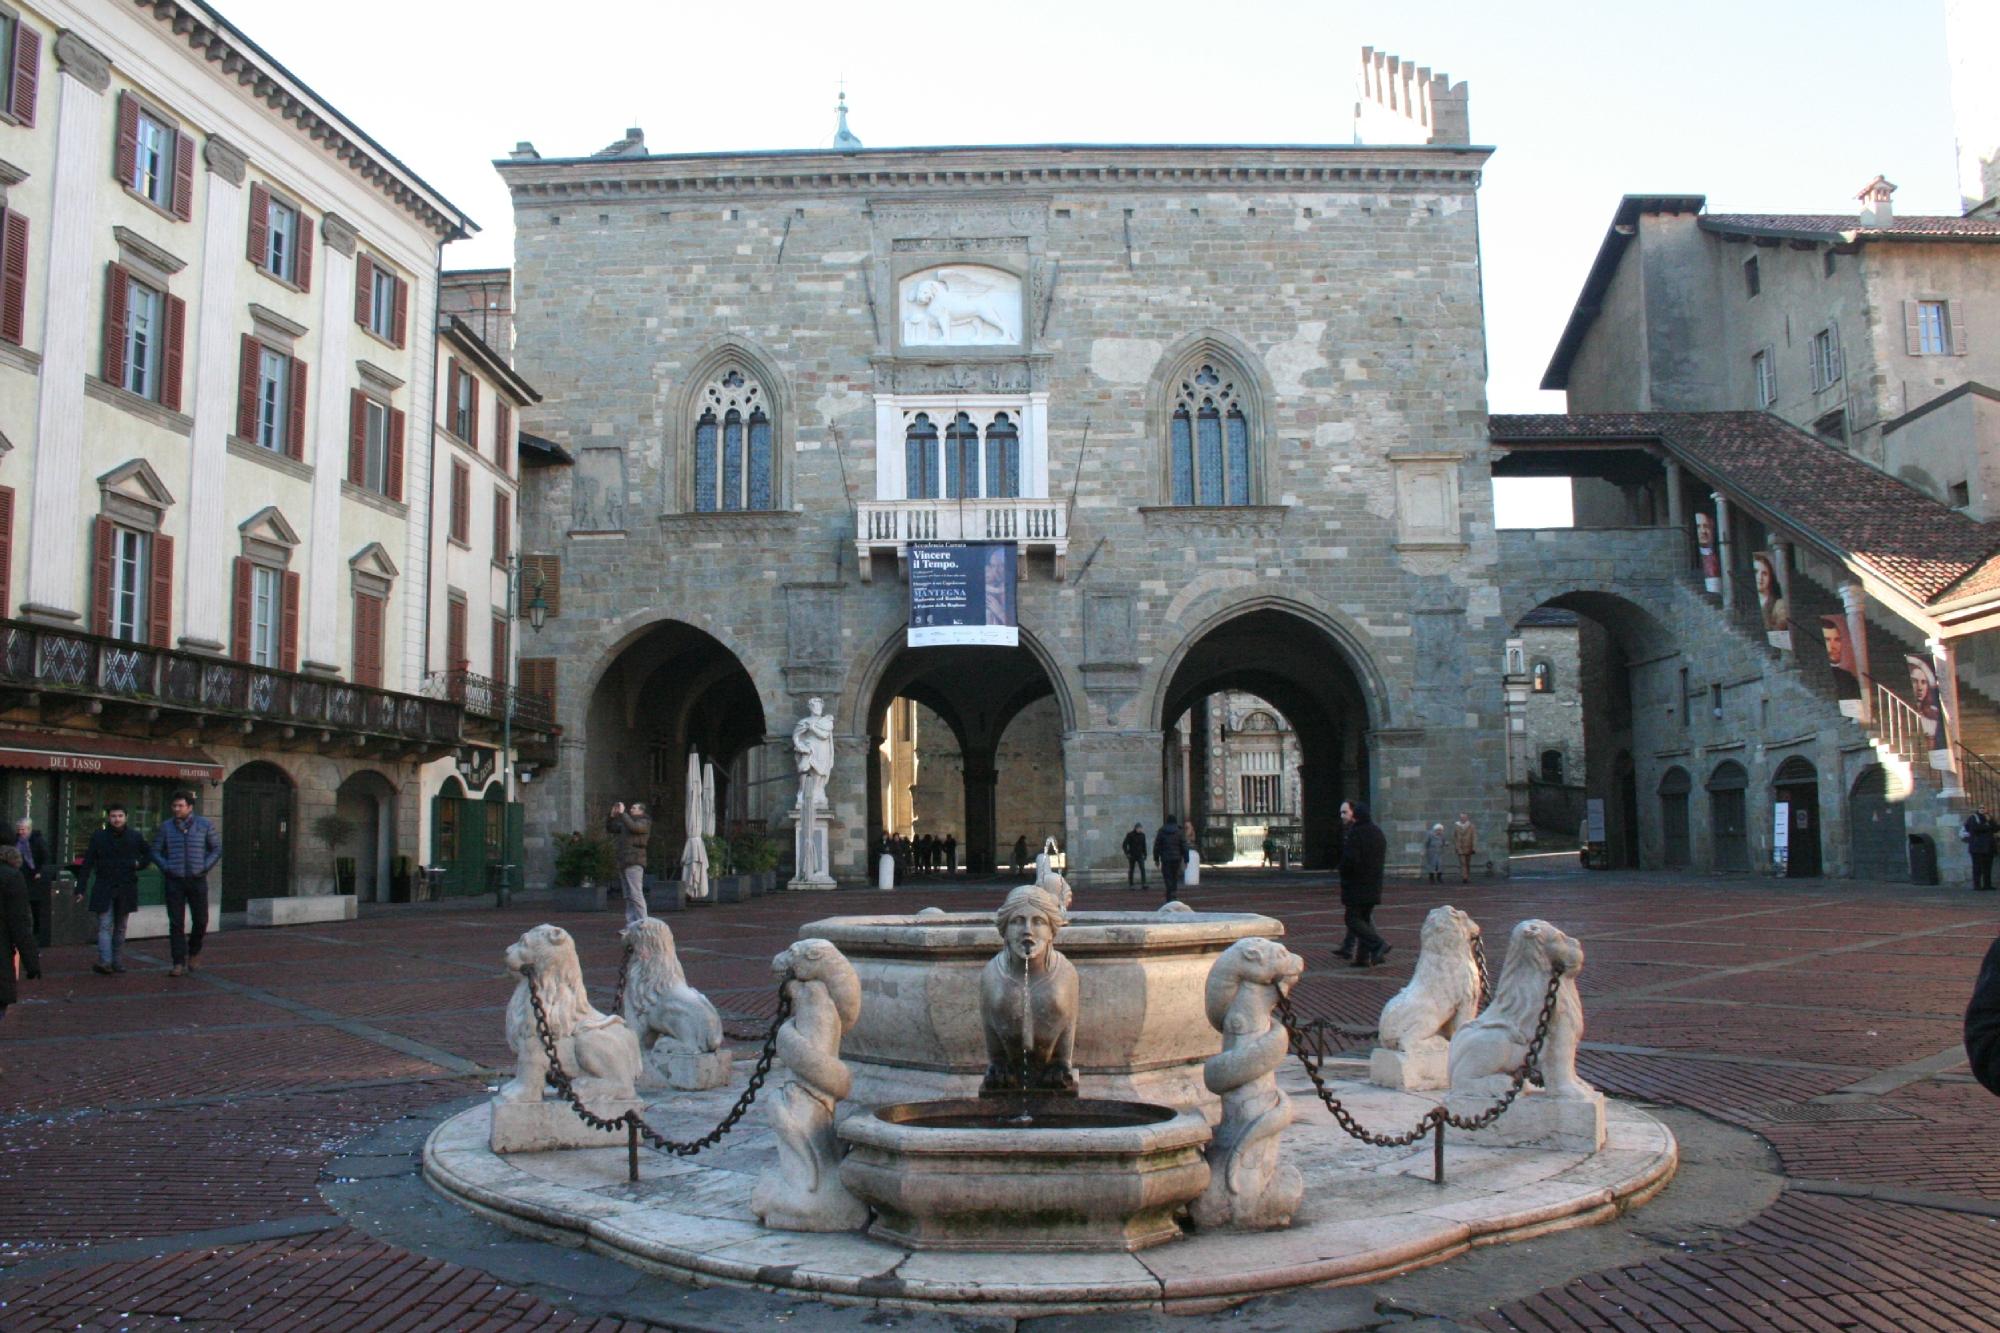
x=225, y=159
x=1853, y=597
x=338, y=233
x=82, y=61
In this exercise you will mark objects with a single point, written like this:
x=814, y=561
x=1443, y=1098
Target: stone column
x=1111, y=779
x=1855, y=601
x=1781, y=556
x=73, y=308
x=1676, y=513
x=982, y=782
x=1035, y=449
x=1520, y=821
x=205, y=600
x=1944, y=661
x=1725, y=550
x=326, y=552
x=889, y=479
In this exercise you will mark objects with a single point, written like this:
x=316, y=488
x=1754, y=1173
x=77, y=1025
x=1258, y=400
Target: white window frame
x=145, y=338
x=267, y=611
x=1826, y=358
x=1027, y=413
x=1766, y=382
x=10, y=28
x=382, y=302
x=1933, y=328
x=131, y=581
x=375, y=447
x=274, y=400
x=153, y=159
x=281, y=239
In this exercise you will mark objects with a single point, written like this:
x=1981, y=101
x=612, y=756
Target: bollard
x=1437, y=1155
x=632, y=1147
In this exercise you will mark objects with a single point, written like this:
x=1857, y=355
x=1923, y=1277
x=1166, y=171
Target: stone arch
x=1641, y=628
x=1215, y=611
x=858, y=698
x=1256, y=391
x=711, y=359
x=615, y=636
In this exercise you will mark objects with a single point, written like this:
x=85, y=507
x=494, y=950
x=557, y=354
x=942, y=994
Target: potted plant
x=755, y=855
x=334, y=829
x=583, y=869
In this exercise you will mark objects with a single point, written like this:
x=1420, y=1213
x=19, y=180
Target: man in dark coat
x=110, y=872
x=1982, y=1022
x=1135, y=855
x=17, y=929
x=1979, y=834
x=37, y=872
x=1170, y=854
x=1363, y=851
x=630, y=831
x=185, y=849
x=950, y=853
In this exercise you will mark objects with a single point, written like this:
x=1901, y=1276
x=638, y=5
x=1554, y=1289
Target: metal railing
x=886, y=522
x=44, y=658
x=1899, y=725
x=486, y=698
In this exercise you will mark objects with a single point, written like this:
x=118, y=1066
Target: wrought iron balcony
x=891, y=525
x=136, y=689
x=484, y=700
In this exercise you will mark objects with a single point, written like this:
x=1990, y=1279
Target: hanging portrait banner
x=1927, y=696
x=1840, y=657
x=1707, y=552
x=963, y=593
x=1773, y=597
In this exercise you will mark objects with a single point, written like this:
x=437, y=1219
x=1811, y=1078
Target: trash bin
x=1923, y=860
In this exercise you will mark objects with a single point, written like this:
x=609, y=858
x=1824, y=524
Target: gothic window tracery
x=980, y=456
x=1209, y=438
x=732, y=446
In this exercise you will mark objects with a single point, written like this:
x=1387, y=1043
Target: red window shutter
x=295, y=427
x=249, y=364
x=538, y=679
x=160, y=598
x=454, y=635
x=260, y=225
x=290, y=660
x=172, y=363
x=304, y=277
x=368, y=640
x=364, y=289
x=500, y=672
x=394, y=470
x=503, y=536
x=13, y=277
x=27, y=71
x=357, y=436
x=239, y=628
x=116, y=294
x=451, y=377
x=402, y=312
x=183, y=175
x=100, y=577
x=6, y=551
x=126, y=159
x=461, y=501
x=503, y=436
x=472, y=412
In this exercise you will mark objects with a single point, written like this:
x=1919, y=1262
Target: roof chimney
x=524, y=152
x=1875, y=209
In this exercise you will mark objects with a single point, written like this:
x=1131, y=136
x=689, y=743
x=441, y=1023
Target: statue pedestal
x=1536, y=1119
x=547, y=1125
x=696, y=1071
x=1409, y=1071
x=809, y=852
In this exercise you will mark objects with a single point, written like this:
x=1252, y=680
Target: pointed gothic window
x=1208, y=440
x=733, y=457
x=1003, y=458
x=961, y=459
x=920, y=458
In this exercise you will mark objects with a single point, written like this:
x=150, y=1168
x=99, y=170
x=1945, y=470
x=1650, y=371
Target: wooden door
x=256, y=836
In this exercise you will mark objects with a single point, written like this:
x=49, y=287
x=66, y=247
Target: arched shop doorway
x=1795, y=808
x=1728, y=816
x=1876, y=836
x=257, y=835
x=363, y=863
x=1306, y=676
x=1674, y=788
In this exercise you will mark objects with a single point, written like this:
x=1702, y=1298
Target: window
x=1209, y=444
x=154, y=160
x=131, y=585
x=1825, y=355
x=1003, y=458
x=920, y=458
x=266, y=611
x=503, y=528
x=1752, y=280
x=1544, y=678
x=274, y=374
x=1552, y=766
x=1832, y=427
x=144, y=331
x=143, y=334
x=20, y=66
x=271, y=399
x=454, y=632
x=505, y=442
x=281, y=235
x=733, y=457
x=374, y=445
x=266, y=628
x=1826, y=264
x=461, y=503
x=1761, y=372
x=381, y=300
x=375, y=448
x=1261, y=795
x=153, y=165
x=130, y=573
x=961, y=459
x=281, y=238
x=1961, y=494
x=1933, y=333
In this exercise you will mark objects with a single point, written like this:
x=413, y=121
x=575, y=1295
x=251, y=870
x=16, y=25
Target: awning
x=114, y=755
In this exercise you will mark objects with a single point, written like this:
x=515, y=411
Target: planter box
x=662, y=895
x=297, y=911
x=763, y=882
x=579, y=897
x=731, y=888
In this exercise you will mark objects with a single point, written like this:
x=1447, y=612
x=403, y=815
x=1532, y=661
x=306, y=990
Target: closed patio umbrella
x=708, y=799
x=694, y=856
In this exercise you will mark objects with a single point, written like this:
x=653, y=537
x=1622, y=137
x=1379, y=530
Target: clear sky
x=1782, y=107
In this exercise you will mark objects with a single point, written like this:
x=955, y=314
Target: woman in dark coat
x=1363, y=852
x=17, y=929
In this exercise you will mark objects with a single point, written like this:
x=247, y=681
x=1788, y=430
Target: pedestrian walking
x=1021, y=855
x=631, y=830
x=1270, y=850
x=1464, y=841
x=1363, y=851
x=112, y=861
x=17, y=930
x=37, y=872
x=1978, y=834
x=950, y=853
x=1135, y=856
x=185, y=849
x=1170, y=851
x=1434, y=855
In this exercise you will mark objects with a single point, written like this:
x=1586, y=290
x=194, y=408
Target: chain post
x=632, y=1148
x=1437, y=1155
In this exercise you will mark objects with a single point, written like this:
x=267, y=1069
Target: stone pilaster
x=1725, y=549
x=417, y=453
x=1113, y=779
x=325, y=551
x=205, y=600
x=1855, y=602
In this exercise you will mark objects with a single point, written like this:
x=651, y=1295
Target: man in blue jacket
x=111, y=866
x=185, y=849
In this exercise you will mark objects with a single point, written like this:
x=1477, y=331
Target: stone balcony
x=889, y=526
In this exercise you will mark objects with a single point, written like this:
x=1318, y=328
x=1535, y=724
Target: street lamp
x=538, y=614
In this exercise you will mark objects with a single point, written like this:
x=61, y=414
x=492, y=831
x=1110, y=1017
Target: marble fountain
x=1098, y=1115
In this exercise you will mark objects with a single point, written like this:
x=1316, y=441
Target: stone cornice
x=995, y=172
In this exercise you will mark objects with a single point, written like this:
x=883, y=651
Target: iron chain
x=624, y=966
x=559, y=1079
x=1478, y=959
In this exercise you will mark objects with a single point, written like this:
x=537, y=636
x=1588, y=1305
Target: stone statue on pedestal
x=1028, y=999
x=812, y=744
x=802, y=1190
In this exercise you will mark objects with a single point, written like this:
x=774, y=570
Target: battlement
x=1400, y=102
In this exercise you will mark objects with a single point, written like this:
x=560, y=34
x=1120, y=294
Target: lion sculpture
x=1442, y=996
x=675, y=1024
x=597, y=1051
x=802, y=1190
x=1486, y=1052
x=955, y=299
x=1249, y=1184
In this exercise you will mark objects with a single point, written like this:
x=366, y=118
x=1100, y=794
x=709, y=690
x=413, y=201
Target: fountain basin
x=1083, y=1174
x=1143, y=1034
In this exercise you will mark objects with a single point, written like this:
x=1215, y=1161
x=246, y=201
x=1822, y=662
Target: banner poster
x=1928, y=696
x=1768, y=566
x=962, y=593
x=1840, y=656
x=1781, y=834
x=1707, y=552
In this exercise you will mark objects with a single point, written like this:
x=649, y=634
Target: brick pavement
x=196, y=1118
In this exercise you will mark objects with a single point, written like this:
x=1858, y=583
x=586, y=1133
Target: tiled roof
x=1848, y=226
x=1913, y=542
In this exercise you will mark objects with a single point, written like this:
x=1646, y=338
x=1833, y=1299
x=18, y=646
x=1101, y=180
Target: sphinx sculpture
x=1028, y=999
x=802, y=1190
x=1249, y=1185
x=1443, y=996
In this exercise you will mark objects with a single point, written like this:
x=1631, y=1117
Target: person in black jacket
x=1170, y=851
x=110, y=871
x=1978, y=835
x=1982, y=1022
x=37, y=873
x=17, y=929
x=1363, y=850
x=1135, y=855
